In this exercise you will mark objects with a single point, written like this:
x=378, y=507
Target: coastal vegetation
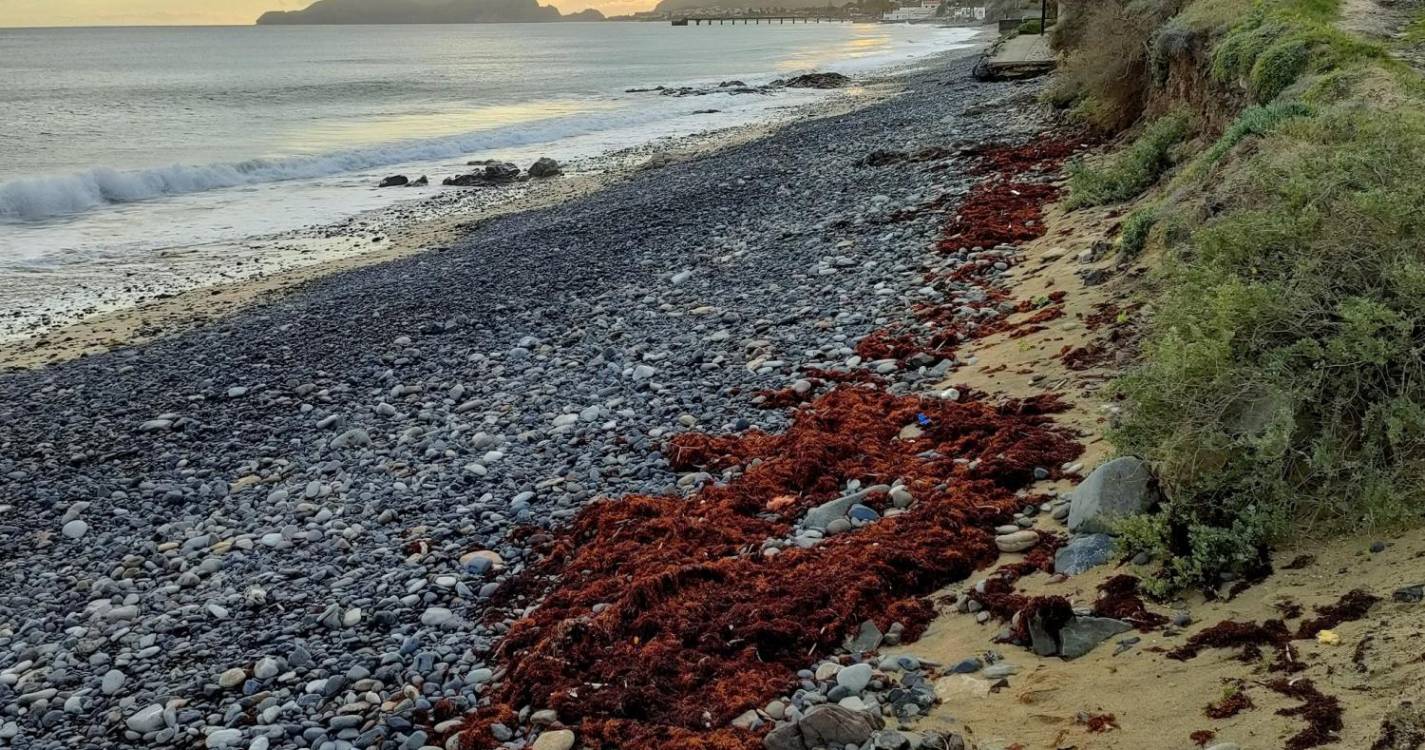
x=1274, y=161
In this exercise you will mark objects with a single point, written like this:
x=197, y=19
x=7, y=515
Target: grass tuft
x=1127, y=175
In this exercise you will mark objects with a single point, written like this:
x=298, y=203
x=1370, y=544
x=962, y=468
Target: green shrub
x=1031, y=26
x=1135, y=231
x=1233, y=58
x=1277, y=68
x=1128, y=174
x=1256, y=121
x=1282, y=380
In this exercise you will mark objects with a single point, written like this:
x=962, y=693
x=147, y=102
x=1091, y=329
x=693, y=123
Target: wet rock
x=818, y=81
x=491, y=173
x=1118, y=489
x=545, y=167
x=399, y=180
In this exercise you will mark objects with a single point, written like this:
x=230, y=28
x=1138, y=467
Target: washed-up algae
x=660, y=619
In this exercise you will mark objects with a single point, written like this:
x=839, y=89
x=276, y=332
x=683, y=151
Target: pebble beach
x=290, y=527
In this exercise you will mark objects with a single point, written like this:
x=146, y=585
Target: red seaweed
x=696, y=625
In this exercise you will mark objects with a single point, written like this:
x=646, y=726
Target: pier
x=720, y=20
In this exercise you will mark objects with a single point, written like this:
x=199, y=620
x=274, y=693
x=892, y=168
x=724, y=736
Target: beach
x=225, y=155
x=294, y=512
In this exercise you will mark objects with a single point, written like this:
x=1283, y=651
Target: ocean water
x=119, y=147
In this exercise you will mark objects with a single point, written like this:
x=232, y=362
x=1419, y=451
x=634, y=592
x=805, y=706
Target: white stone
x=147, y=719
x=1018, y=541
x=559, y=739
x=75, y=529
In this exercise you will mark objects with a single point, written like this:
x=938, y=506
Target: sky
x=200, y=12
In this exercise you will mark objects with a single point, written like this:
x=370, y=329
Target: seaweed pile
x=654, y=622
x=660, y=619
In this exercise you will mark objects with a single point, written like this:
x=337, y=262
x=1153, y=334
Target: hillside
x=338, y=12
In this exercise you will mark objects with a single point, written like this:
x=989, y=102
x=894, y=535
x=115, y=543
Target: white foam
x=34, y=198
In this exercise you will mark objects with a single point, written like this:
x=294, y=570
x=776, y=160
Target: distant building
x=966, y=13
x=908, y=13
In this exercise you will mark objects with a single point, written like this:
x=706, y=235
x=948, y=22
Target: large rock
x=399, y=180
x=1116, y=490
x=1082, y=634
x=818, y=517
x=834, y=726
x=785, y=737
x=491, y=173
x=1082, y=553
x=818, y=81
x=545, y=167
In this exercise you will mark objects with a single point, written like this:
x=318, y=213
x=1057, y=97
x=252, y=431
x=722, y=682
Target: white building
x=907, y=13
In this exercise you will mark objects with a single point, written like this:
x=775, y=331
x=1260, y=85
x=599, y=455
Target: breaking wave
x=44, y=197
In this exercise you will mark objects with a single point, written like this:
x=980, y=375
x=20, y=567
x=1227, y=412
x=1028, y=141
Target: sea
x=122, y=149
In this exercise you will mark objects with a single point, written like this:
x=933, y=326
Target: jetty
x=720, y=20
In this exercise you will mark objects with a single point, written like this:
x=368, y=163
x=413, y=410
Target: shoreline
x=318, y=496
x=104, y=330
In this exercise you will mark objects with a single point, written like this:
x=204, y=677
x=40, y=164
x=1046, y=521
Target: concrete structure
x=908, y=13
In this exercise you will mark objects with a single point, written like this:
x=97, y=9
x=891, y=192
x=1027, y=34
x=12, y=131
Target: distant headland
x=338, y=12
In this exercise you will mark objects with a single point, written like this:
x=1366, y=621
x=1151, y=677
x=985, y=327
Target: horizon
x=80, y=14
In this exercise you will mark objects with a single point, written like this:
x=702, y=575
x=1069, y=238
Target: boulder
x=1116, y=490
x=399, y=180
x=1082, y=634
x=828, y=725
x=785, y=737
x=545, y=167
x=422, y=182
x=818, y=517
x=501, y=172
x=1083, y=552
x=818, y=81
x=491, y=173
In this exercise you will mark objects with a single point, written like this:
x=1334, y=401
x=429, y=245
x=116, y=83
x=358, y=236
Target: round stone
x=854, y=678
x=1018, y=541
x=558, y=739
x=75, y=529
